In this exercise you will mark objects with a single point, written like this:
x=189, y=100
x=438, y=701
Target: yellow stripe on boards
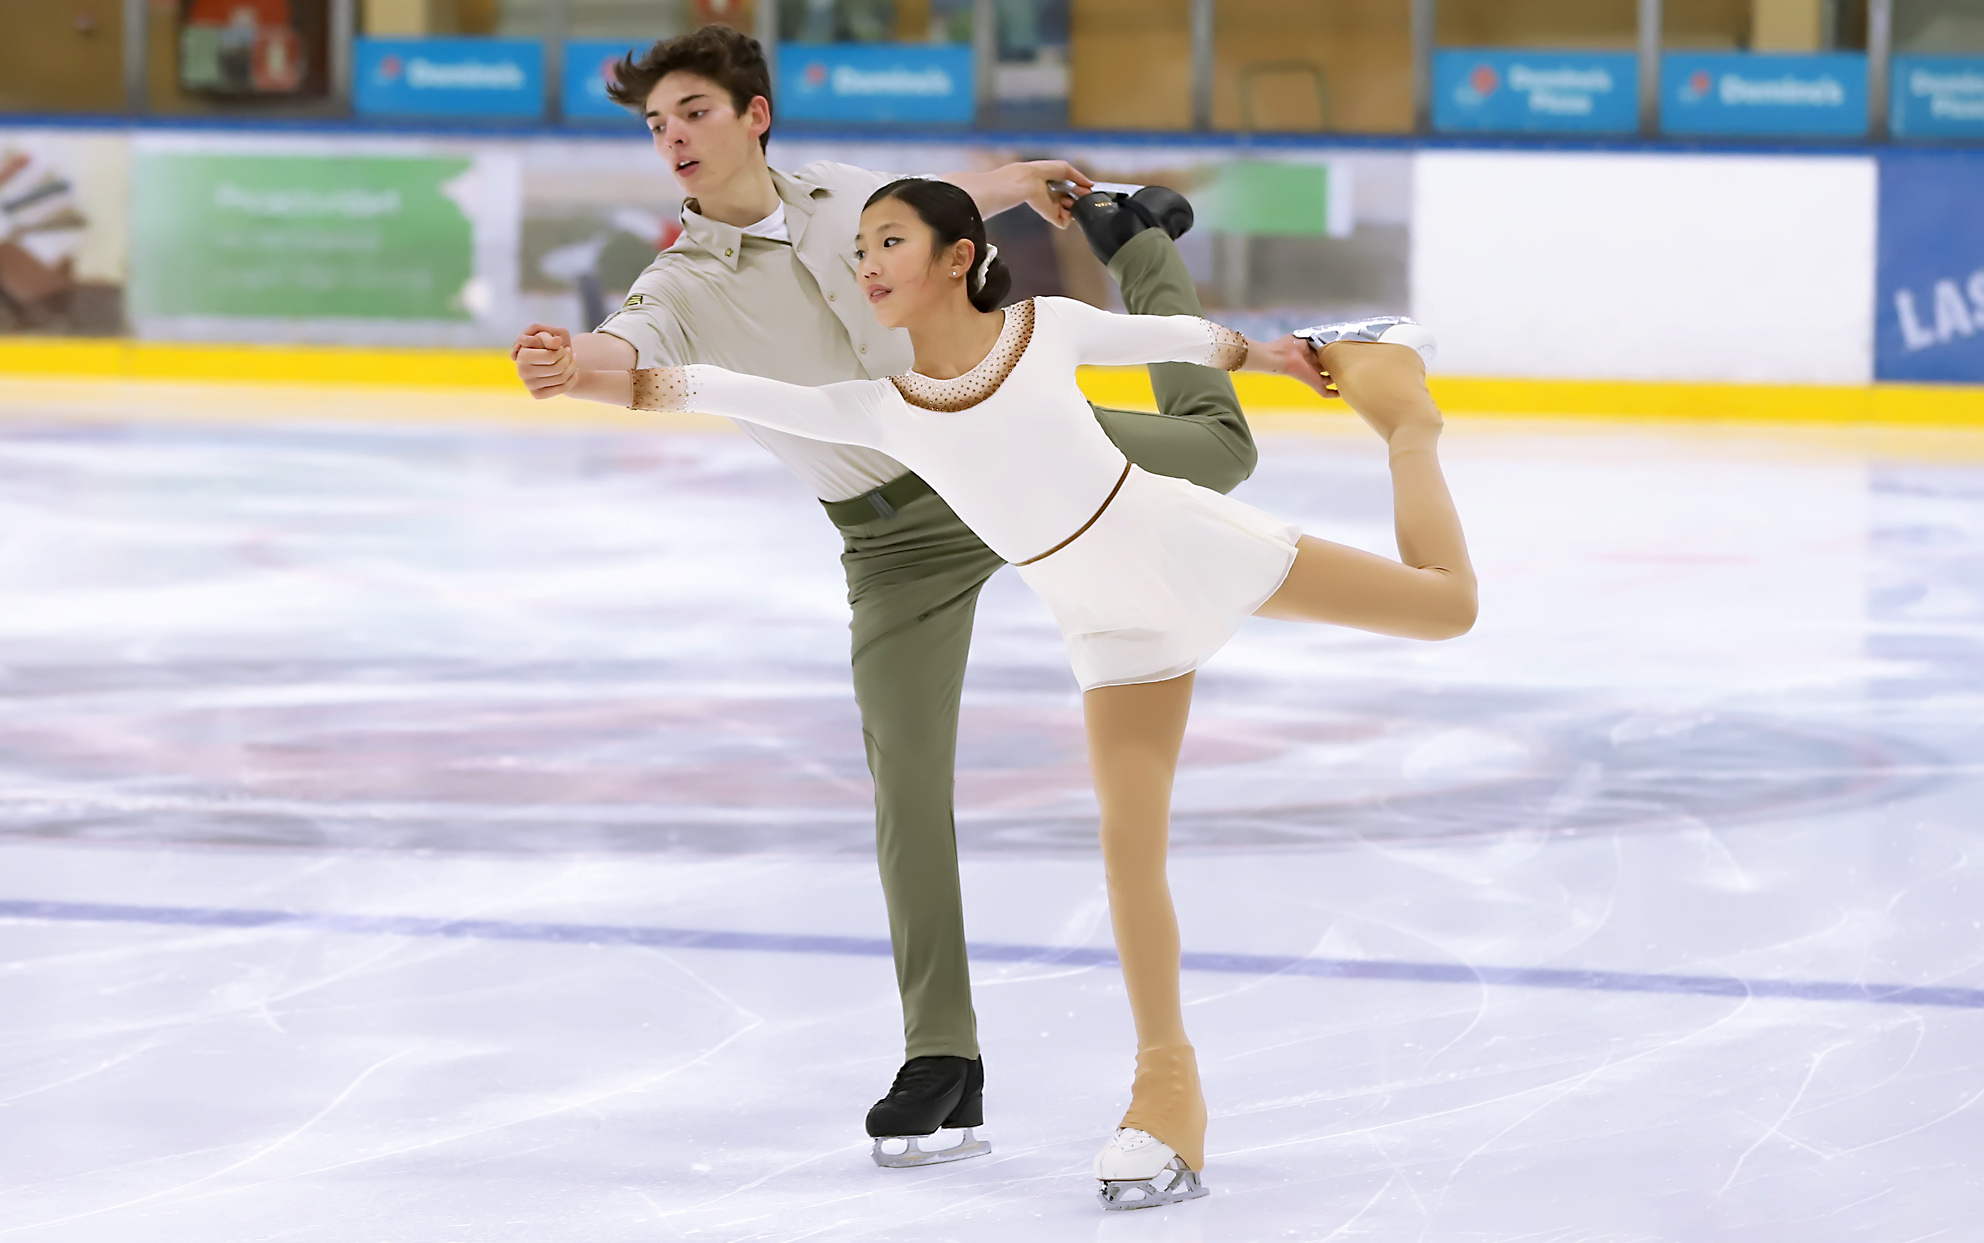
x=1945, y=405
x=1948, y=405
x=258, y=364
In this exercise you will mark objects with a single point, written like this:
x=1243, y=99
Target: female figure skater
x=1147, y=575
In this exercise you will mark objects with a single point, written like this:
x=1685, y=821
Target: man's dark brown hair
x=730, y=58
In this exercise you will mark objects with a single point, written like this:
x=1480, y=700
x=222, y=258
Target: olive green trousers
x=913, y=579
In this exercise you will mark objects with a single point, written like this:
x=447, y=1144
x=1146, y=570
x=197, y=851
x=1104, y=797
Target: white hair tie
x=983, y=265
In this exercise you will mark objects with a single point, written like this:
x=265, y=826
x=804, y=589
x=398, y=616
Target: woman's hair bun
x=991, y=295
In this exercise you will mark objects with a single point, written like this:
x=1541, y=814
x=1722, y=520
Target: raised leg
x=1199, y=432
x=1429, y=593
x=1134, y=733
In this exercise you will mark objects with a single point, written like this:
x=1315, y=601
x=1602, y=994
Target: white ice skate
x=1139, y=1170
x=1390, y=329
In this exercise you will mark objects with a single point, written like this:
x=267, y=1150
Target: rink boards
x=80, y=367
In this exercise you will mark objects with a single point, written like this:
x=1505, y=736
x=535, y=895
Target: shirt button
x=830, y=297
x=864, y=349
x=728, y=251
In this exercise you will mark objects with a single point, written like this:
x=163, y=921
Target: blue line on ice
x=874, y=947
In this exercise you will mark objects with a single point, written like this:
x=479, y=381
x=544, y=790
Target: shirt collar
x=725, y=242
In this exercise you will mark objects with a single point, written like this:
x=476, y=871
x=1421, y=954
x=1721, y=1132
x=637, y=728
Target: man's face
x=700, y=132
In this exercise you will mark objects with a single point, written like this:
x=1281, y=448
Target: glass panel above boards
x=1313, y=66
x=1536, y=66
x=1765, y=69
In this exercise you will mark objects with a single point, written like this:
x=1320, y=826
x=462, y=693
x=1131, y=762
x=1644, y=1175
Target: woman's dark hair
x=730, y=58
x=954, y=218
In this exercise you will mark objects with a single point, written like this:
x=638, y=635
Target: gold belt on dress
x=1086, y=525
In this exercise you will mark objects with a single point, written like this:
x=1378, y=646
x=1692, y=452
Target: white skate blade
x=914, y=1154
x=1174, y=1184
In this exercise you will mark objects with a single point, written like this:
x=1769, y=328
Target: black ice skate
x=929, y=1093
x=1110, y=217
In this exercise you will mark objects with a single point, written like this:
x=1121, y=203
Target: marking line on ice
x=1045, y=955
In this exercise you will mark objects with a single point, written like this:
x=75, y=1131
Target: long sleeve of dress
x=1106, y=339
x=845, y=413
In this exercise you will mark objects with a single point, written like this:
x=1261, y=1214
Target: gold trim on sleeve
x=1229, y=348
x=664, y=389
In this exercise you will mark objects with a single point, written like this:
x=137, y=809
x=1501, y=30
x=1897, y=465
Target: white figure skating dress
x=1147, y=575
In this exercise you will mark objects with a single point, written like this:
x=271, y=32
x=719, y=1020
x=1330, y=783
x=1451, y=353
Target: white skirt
x=1162, y=580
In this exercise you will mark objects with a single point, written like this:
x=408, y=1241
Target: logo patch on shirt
x=634, y=299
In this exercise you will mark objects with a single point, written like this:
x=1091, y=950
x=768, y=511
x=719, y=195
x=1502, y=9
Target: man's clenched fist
x=544, y=359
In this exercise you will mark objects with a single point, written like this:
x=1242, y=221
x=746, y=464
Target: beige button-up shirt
x=790, y=312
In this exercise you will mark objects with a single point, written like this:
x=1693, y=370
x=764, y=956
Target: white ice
x=1717, y=730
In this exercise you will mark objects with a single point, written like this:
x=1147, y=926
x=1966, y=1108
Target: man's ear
x=758, y=114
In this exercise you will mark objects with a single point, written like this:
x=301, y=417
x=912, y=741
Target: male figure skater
x=762, y=281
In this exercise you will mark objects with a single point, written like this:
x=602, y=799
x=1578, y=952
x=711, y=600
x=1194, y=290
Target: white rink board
x=1647, y=267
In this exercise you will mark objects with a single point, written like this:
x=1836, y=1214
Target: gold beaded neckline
x=983, y=380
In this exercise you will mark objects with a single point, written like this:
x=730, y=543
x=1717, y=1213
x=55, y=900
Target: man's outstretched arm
x=549, y=372
x=1013, y=184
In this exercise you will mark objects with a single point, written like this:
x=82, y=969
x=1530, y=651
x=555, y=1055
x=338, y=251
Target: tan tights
x=1134, y=732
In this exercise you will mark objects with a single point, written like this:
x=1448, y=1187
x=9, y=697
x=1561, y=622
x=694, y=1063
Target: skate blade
x=914, y=1154
x=1173, y=1185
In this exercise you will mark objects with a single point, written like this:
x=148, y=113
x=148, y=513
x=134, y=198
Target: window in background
x=1584, y=24
x=1776, y=26
x=414, y=18
x=1130, y=64
x=1765, y=68
x=1308, y=65
x=592, y=19
x=1938, y=73
x=640, y=21
x=1705, y=25
x=1030, y=79
x=876, y=62
x=1537, y=66
x=847, y=21
x=1939, y=27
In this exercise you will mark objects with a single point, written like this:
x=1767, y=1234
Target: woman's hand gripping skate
x=1290, y=356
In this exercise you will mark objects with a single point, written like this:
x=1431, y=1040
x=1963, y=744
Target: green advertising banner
x=1276, y=199
x=300, y=237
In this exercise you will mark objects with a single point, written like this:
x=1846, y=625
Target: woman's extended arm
x=843, y=413
x=1106, y=339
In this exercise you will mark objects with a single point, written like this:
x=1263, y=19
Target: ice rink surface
x=462, y=835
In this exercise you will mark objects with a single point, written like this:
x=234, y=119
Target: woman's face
x=899, y=273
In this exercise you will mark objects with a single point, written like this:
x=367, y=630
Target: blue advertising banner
x=1929, y=311
x=1578, y=92
x=495, y=78
x=1937, y=97
x=1764, y=94
x=588, y=65
x=900, y=83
